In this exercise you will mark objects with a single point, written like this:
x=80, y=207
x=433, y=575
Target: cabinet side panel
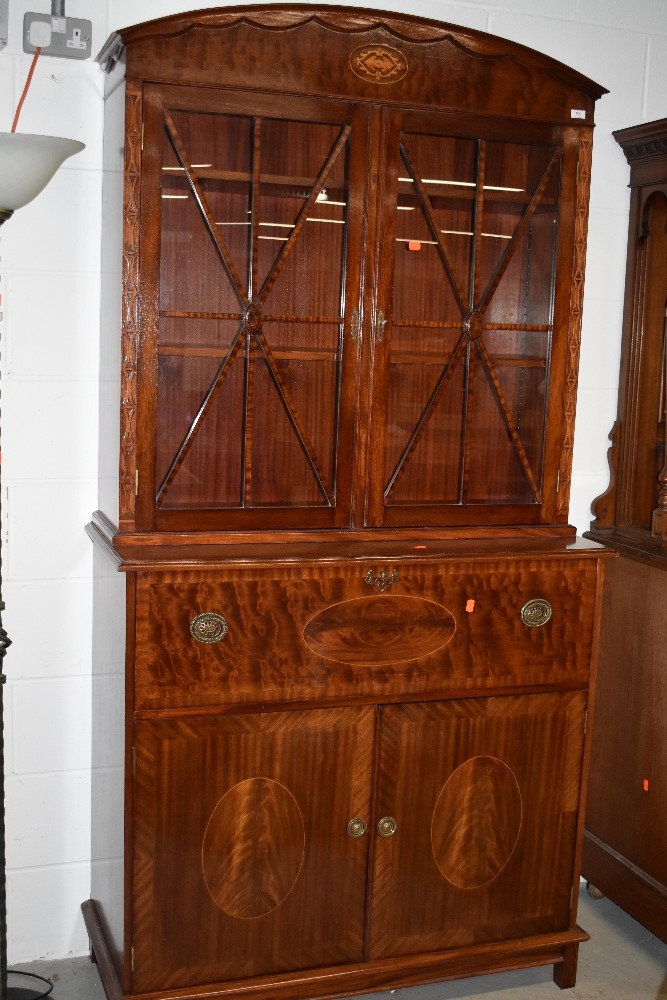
x=110, y=311
x=628, y=783
x=108, y=771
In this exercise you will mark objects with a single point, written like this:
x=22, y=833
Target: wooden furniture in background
x=625, y=847
x=342, y=681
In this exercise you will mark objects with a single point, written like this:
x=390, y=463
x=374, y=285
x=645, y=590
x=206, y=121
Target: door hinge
x=136, y=482
x=134, y=762
x=586, y=722
x=142, y=137
x=132, y=958
x=558, y=481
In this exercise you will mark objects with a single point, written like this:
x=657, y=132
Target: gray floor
x=622, y=961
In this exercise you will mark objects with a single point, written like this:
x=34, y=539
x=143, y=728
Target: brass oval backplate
x=209, y=627
x=536, y=612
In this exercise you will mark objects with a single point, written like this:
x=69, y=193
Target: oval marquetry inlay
x=476, y=822
x=378, y=64
x=253, y=848
x=387, y=628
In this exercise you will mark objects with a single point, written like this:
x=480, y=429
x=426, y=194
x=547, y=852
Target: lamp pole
x=5, y=641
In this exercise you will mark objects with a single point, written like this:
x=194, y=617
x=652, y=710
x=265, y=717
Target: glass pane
x=204, y=473
x=514, y=176
x=217, y=150
x=506, y=425
x=471, y=329
x=254, y=219
x=423, y=443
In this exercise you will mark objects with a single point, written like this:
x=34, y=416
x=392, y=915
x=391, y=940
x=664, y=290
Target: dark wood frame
x=626, y=836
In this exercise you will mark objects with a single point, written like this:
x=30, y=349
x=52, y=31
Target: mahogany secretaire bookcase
x=342, y=680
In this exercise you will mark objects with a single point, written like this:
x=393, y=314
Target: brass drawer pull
x=383, y=580
x=387, y=826
x=356, y=827
x=536, y=612
x=208, y=627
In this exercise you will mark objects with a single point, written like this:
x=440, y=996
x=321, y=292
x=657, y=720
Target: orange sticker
x=645, y=784
x=414, y=245
x=470, y=606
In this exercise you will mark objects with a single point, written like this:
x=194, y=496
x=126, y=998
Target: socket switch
x=4, y=22
x=66, y=37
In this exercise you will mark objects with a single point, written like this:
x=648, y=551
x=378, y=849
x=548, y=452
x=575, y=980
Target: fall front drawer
x=278, y=633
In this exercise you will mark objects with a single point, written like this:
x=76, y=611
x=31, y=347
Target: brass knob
x=387, y=826
x=208, y=627
x=536, y=613
x=356, y=827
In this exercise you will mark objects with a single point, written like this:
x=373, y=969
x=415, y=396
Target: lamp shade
x=27, y=164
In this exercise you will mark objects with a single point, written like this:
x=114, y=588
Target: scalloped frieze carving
x=473, y=43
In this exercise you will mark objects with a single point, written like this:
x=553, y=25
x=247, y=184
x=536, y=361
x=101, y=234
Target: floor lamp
x=27, y=164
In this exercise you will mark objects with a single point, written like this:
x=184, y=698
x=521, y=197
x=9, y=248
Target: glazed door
x=243, y=860
x=250, y=244
x=483, y=842
x=465, y=325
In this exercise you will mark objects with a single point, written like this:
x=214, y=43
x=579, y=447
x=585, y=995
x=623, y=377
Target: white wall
x=49, y=280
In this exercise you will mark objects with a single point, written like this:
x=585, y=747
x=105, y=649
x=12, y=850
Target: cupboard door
x=252, y=218
x=485, y=794
x=466, y=326
x=243, y=861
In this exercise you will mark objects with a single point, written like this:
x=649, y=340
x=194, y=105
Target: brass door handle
x=387, y=826
x=356, y=827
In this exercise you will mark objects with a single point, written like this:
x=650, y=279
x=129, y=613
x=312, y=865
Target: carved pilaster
x=576, y=309
x=659, y=517
x=130, y=331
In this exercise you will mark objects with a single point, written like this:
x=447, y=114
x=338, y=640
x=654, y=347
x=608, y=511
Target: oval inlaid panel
x=476, y=822
x=378, y=63
x=253, y=848
x=386, y=628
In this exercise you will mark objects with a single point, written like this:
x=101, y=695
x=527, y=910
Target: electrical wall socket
x=67, y=37
x=4, y=22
